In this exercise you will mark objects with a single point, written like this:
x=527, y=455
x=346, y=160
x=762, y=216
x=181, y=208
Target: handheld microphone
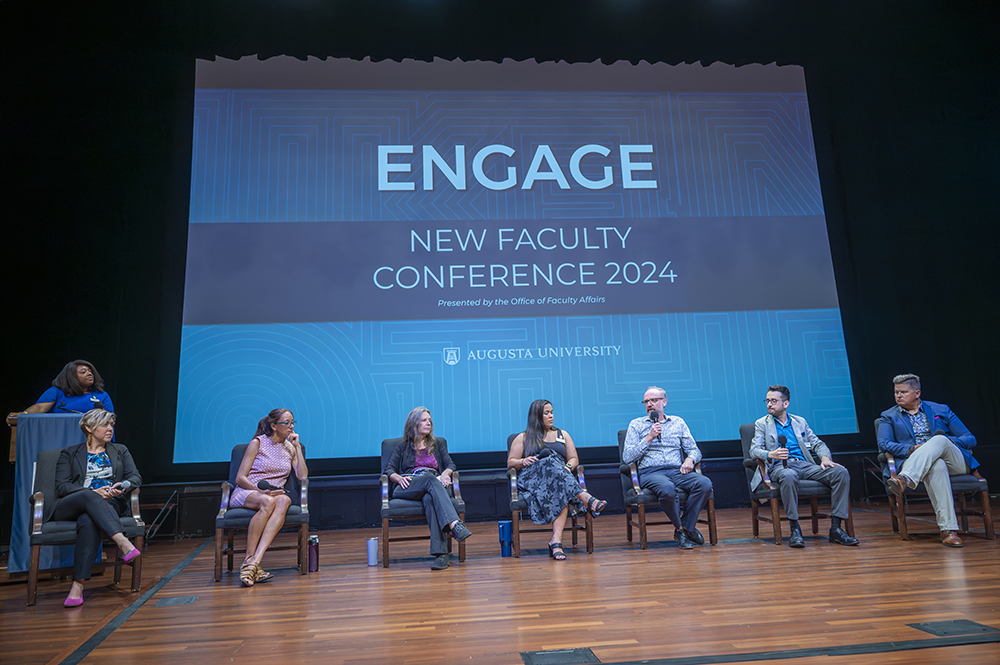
x=782, y=440
x=655, y=417
x=545, y=452
x=125, y=485
x=264, y=485
x=939, y=432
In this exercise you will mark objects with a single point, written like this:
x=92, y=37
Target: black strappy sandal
x=596, y=510
x=558, y=556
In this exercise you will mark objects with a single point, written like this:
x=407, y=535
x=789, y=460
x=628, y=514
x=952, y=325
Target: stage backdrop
x=368, y=237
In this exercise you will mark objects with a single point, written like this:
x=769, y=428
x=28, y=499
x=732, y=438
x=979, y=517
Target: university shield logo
x=451, y=355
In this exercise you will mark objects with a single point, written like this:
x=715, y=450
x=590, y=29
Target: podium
x=36, y=432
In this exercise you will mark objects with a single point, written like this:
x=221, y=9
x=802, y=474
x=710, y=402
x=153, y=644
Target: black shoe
x=795, y=540
x=460, y=531
x=683, y=541
x=440, y=562
x=696, y=537
x=838, y=535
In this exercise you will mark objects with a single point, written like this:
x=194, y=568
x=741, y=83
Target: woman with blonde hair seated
x=90, y=490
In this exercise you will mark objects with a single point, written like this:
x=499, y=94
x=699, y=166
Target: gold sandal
x=261, y=574
x=248, y=573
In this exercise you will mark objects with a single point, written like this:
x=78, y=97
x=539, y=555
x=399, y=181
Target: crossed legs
x=266, y=524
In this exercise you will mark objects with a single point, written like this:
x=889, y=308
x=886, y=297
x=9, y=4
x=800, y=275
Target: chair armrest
x=579, y=477
x=384, y=486
x=38, y=509
x=457, y=488
x=697, y=469
x=751, y=463
x=512, y=481
x=891, y=462
x=227, y=489
x=304, y=496
x=134, y=507
x=633, y=472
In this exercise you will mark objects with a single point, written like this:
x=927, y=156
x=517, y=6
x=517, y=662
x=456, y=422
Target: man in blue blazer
x=933, y=445
x=800, y=455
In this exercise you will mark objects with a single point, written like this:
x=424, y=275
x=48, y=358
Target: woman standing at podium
x=77, y=389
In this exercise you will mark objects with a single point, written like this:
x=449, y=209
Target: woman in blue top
x=77, y=389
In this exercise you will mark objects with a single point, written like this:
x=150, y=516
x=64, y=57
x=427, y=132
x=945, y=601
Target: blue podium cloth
x=36, y=432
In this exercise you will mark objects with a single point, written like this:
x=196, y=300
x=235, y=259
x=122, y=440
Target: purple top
x=426, y=460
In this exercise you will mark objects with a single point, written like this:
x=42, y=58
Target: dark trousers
x=665, y=481
x=94, y=516
x=438, y=508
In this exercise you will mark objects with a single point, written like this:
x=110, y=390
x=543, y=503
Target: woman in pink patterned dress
x=272, y=455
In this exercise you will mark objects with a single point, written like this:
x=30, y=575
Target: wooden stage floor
x=740, y=601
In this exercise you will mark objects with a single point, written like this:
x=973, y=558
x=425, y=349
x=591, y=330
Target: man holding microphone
x=792, y=452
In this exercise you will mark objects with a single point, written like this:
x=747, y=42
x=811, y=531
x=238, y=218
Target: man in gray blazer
x=800, y=455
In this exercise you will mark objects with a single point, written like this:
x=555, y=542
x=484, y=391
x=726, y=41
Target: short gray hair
x=96, y=418
x=912, y=380
x=658, y=389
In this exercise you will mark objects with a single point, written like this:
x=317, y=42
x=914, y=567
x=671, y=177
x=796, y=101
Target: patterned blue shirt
x=921, y=429
x=99, y=471
x=675, y=444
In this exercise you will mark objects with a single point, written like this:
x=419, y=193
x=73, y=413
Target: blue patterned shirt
x=675, y=444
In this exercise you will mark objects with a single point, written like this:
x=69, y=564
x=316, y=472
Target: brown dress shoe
x=950, y=539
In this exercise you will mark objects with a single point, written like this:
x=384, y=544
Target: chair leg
x=33, y=573
x=232, y=546
x=515, y=527
x=385, y=542
x=119, y=562
x=713, y=533
x=901, y=504
x=218, y=554
x=775, y=521
x=643, y=542
x=984, y=498
x=303, y=549
x=894, y=512
x=137, y=566
x=589, y=520
x=963, y=513
x=461, y=543
x=628, y=523
x=850, y=520
x=814, y=504
x=575, y=528
x=755, y=518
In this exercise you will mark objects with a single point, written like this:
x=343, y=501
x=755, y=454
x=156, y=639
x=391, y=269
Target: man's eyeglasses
x=771, y=401
x=652, y=401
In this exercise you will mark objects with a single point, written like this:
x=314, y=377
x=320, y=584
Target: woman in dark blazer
x=421, y=468
x=89, y=491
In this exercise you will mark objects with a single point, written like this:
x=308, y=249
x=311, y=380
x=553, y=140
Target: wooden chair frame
x=135, y=532
x=808, y=489
x=517, y=504
x=227, y=530
x=641, y=498
x=412, y=513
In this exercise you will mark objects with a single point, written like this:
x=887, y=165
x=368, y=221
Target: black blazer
x=404, y=458
x=71, y=473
